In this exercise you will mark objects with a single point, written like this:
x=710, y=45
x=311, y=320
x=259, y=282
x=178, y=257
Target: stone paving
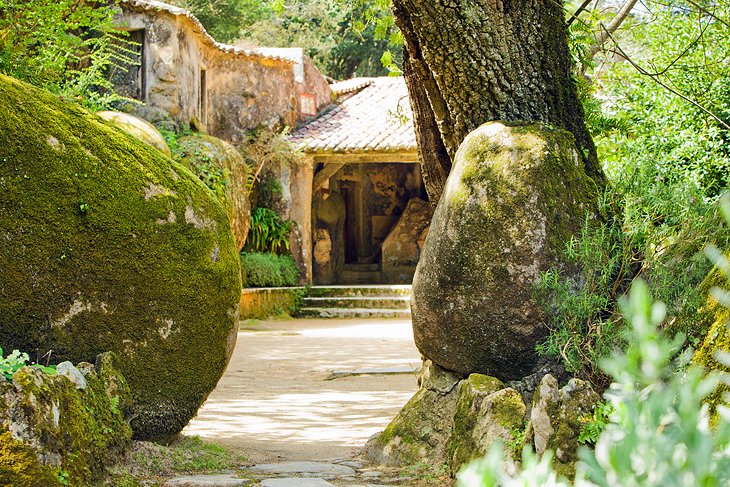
x=300, y=398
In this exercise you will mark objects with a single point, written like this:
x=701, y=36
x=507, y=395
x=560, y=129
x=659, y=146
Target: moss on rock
x=110, y=245
x=137, y=128
x=715, y=318
x=485, y=411
x=223, y=169
x=52, y=426
x=420, y=431
x=515, y=196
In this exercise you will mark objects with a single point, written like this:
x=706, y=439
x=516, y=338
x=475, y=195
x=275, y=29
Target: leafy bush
x=268, y=233
x=668, y=161
x=268, y=270
x=658, y=434
x=64, y=46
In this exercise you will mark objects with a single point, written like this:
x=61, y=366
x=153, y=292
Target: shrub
x=64, y=46
x=269, y=270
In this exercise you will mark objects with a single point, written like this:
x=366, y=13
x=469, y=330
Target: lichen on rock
x=486, y=411
x=49, y=425
x=514, y=197
x=715, y=318
x=88, y=268
x=420, y=431
x=223, y=169
x=556, y=420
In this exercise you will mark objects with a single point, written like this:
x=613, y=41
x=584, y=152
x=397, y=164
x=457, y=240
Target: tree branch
x=605, y=32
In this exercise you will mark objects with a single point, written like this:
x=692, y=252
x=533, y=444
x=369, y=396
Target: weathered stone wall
x=242, y=89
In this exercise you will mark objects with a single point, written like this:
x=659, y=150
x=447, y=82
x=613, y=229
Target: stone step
x=370, y=302
x=383, y=290
x=344, y=313
x=361, y=277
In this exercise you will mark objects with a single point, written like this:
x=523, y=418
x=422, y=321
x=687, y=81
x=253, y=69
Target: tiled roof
x=154, y=5
x=377, y=119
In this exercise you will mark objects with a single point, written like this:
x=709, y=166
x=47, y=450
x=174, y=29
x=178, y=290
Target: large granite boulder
x=108, y=245
x=223, y=169
x=137, y=128
x=515, y=196
x=400, y=250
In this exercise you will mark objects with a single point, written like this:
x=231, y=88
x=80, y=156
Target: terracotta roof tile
x=377, y=118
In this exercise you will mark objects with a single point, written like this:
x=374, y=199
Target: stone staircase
x=366, y=301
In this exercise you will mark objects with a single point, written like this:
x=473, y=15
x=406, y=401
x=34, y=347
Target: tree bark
x=483, y=60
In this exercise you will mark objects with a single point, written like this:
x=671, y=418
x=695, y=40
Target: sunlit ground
x=274, y=399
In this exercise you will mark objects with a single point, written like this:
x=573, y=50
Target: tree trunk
x=484, y=60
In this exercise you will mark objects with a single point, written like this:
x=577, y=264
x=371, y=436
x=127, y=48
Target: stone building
x=369, y=214
x=186, y=77
x=357, y=200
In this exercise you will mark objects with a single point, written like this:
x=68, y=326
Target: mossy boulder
x=486, y=411
x=715, y=318
x=557, y=418
x=53, y=429
x=111, y=246
x=514, y=197
x=223, y=169
x=420, y=431
x=137, y=128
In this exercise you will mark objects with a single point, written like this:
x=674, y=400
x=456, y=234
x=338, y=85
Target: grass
x=150, y=463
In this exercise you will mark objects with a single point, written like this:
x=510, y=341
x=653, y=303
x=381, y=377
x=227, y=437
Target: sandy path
x=275, y=404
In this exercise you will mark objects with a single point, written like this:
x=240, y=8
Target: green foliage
x=269, y=270
x=668, y=162
x=65, y=46
x=343, y=38
x=658, y=434
x=595, y=423
x=224, y=19
x=263, y=149
x=16, y=360
x=268, y=233
x=194, y=156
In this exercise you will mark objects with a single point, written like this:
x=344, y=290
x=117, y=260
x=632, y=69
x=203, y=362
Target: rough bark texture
x=486, y=60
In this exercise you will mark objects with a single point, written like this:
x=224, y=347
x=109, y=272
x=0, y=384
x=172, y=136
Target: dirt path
x=274, y=403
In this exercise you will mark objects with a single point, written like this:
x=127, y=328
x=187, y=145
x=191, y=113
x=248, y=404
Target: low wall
x=262, y=303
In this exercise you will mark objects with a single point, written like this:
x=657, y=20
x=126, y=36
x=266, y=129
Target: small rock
x=74, y=375
x=349, y=463
x=224, y=480
x=371, y=474
x=295, y=482
x=436, y=379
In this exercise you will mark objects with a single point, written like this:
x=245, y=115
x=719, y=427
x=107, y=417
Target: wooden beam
x=364, y=157
x=325, y=173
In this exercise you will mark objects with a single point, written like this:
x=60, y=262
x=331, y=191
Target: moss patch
x=110, y=245
x=715, y=317
x=20, y=467
x=77, y=434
